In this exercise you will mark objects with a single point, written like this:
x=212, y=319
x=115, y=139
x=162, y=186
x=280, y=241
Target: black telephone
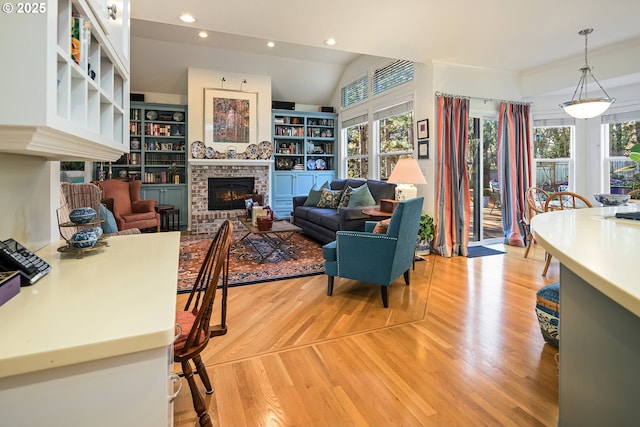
x=14, y=256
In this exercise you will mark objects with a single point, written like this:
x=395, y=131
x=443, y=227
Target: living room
x=28, y=185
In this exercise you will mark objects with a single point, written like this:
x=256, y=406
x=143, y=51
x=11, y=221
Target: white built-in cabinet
x=64, y=99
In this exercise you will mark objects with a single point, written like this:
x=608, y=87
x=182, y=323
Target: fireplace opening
x=228, y=193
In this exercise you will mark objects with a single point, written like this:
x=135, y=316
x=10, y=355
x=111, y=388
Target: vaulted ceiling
x=495, y=34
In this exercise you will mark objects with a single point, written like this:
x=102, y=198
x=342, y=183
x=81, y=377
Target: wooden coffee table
x=280, y=233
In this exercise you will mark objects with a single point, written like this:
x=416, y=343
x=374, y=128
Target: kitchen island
x=599, y=313
x=90, y=343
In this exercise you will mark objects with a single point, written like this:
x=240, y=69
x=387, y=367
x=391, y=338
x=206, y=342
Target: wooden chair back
x=563, y=200
x=536, y=198
x=213, y=274
x=197, y=312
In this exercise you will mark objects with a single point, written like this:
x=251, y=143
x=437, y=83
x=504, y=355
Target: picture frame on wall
x=423, y=149
x=230, y=117
x=423, y=128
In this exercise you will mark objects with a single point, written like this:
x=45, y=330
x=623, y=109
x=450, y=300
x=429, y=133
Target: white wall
x=200, y=79
x=29, y=196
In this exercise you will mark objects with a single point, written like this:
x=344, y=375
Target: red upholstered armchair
x=123, y=199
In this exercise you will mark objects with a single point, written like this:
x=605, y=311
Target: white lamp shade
x=586, y=108
x=407, y=171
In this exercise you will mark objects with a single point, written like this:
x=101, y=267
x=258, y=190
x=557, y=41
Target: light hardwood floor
x=460, y=346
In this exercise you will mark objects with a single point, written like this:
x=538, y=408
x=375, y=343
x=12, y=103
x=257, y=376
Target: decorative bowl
x=97, y=230
x=82, y=215
x=612, y=199
x=83, y=239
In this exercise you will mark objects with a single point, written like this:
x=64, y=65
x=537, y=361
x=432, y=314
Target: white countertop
x=115, y=301
x=603, y=251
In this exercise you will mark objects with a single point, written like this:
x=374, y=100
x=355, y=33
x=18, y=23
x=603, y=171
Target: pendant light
x=585, y=107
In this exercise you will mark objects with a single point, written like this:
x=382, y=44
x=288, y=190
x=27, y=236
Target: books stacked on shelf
x=135, y=128
x=80, y=39
x=157, y=130
x=135, y=114
x=288, y=131
x=76, y=36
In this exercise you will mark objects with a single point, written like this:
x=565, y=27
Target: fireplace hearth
x=228, y=192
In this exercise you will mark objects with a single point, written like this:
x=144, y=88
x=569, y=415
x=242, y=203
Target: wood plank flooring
x=460, y=346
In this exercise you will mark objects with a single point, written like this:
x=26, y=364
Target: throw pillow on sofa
x=361, y=196
x=330, y=198
x=382, y=226
x=346, y=196
x=314, y=195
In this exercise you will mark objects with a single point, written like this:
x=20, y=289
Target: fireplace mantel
x=229, y=162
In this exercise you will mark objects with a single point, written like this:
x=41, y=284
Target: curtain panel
x=453, y=212
x=514, y=168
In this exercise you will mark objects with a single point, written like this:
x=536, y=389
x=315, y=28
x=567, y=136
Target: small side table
x=164, y=217
x=376, y=212
x=173, y=219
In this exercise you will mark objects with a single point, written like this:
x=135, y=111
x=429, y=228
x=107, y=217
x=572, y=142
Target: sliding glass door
x=482, y=169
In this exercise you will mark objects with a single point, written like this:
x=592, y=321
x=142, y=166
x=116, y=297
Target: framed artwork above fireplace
x=230, y=118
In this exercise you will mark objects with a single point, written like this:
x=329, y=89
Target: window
x=552, y=157
x=371, y=148
x=356, y=135
x=392, y=75
x=394, y=136
x=355, y=92
x=621, y=132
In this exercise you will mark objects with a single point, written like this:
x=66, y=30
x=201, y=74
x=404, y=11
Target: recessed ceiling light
x=187, y=18
x=203, y=34
x=330, y=42
x=271, y=44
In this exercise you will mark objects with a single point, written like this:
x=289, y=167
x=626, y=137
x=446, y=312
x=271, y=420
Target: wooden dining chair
x=193, y=327
x=563, y=200
x=535, y=197
x=633, y=193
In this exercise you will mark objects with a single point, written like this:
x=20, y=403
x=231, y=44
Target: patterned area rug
x=244, y=266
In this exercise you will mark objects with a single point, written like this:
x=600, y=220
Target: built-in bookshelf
x=75, y=98
x=304, y=154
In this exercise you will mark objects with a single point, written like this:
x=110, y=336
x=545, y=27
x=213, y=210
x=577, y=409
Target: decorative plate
x=320, y=164
x=152, y=115
x=311, y=164
x=265, y=149
x=252, y=151
x=178, y=116
x=197, y=150
x=209, y=153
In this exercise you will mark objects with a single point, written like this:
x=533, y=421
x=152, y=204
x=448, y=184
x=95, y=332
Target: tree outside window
x=357, y=151
x=624, y=172
x=395, y=140
x=552, y=153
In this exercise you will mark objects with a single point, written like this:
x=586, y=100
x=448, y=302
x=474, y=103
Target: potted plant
x=426, y=230
x=486, y=194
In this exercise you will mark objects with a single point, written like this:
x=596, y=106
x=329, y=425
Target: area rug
x=478, y=251
x=244, y=266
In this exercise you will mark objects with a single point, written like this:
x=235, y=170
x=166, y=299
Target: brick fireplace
x=205, y=221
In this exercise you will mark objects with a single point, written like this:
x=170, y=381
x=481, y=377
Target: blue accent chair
x=376, y=258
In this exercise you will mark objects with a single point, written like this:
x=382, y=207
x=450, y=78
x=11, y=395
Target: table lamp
x=405, y=174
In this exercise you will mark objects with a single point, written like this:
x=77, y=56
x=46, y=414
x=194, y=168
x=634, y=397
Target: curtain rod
x=483, y=99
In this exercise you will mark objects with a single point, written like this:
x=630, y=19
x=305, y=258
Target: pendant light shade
x=585, y=107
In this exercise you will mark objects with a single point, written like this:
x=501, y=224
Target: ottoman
x=548, y=312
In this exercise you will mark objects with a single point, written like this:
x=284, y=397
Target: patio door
x=482, y=169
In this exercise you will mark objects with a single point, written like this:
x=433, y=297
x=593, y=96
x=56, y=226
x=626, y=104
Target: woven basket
x=264, y=223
